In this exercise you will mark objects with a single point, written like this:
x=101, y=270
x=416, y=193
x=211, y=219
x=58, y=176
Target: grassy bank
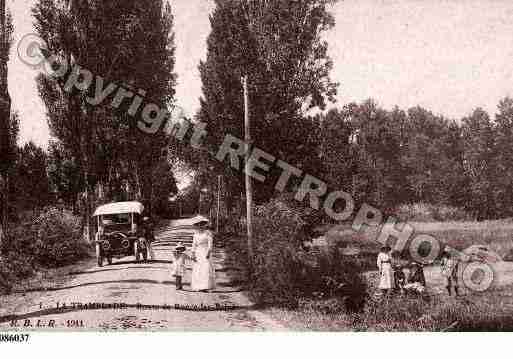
x=489, y=311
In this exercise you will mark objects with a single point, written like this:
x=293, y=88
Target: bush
x=58, y=239
x=51, y=239
x=286, y=273
x=277, y=254
x=13, y=268
x=15, y=261
x=337, y=276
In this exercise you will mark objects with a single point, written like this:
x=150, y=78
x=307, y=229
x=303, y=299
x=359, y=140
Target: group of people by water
x=410, y=278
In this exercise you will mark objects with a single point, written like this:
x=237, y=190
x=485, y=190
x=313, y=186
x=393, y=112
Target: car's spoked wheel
x=137, y=252
x=99, y=256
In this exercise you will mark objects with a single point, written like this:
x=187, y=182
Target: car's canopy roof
x=119, y=208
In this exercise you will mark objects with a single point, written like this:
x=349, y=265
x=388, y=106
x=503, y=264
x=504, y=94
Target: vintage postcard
x=255, y=166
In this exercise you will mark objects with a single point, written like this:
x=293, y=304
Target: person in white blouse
x=386, y=272
x=203, y=272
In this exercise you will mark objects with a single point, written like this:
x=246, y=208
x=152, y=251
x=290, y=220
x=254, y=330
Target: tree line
x=382, y=157
x=96, y=153
x=394, y=157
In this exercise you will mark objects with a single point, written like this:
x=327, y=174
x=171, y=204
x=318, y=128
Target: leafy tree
x=278, y=45
x=376, y=153
x=6, y=150
x=129, y=43
x=479, y=139
x=8, y=193
x=64, y=175
x=504, y=159
x=7, y=130
x=433, y=158
x=336, y=149
x=31, y=178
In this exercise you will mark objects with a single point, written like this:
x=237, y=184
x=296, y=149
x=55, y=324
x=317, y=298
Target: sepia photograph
x=255, y=166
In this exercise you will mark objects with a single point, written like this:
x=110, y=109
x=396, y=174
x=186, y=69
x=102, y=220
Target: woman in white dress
x=386, y=272
x=203, y=272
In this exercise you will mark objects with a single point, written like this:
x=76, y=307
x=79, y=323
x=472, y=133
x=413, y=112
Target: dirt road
x=136, y=296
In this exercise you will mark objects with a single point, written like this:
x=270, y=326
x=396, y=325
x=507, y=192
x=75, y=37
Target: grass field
x=488, y=311
x=497, y=235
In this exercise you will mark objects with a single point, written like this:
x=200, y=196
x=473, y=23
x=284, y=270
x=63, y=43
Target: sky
x=447, y=56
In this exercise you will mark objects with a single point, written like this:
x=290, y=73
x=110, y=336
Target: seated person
x=399, y=278
x=399, y=275
x=416, y=280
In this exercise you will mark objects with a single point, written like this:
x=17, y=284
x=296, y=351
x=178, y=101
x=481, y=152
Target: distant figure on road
x=148, y=235
x=386, y=272
x=449, y=269
x=203, y=272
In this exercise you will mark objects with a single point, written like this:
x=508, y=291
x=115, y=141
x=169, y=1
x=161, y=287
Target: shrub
x=277, y=254
x=51, y=239
x=339, y=276
x=286, y=273
x=15, y=261
x=58, y=239
x=13, y=267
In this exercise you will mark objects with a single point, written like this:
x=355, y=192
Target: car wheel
x=99, y=256
x=137, y=252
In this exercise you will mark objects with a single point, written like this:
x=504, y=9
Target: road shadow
x=149, y=261
x=111, y=306
x=213, y=291
x=129, y=281
x=111, y=269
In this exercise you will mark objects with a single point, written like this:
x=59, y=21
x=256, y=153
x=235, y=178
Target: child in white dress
x=179, y=261
x=386, y=272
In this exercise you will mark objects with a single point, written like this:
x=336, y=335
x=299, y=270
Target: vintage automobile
x=121, y=232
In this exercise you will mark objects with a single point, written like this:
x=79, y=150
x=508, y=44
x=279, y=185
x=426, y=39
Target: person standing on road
x=178, y=268
x=203, y=272
x=449, y=266
x=148, y=235
x=386, y=272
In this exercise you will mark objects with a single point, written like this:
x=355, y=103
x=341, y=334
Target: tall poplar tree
x=279, y=46
x=129, y=43
x=7, y=150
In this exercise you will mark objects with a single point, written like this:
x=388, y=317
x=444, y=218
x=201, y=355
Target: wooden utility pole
x=199, y=203
x=249, y=194
x=218, y=202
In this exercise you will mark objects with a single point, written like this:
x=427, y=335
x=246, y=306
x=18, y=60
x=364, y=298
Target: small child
x=178, y=269
x=449, y=266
